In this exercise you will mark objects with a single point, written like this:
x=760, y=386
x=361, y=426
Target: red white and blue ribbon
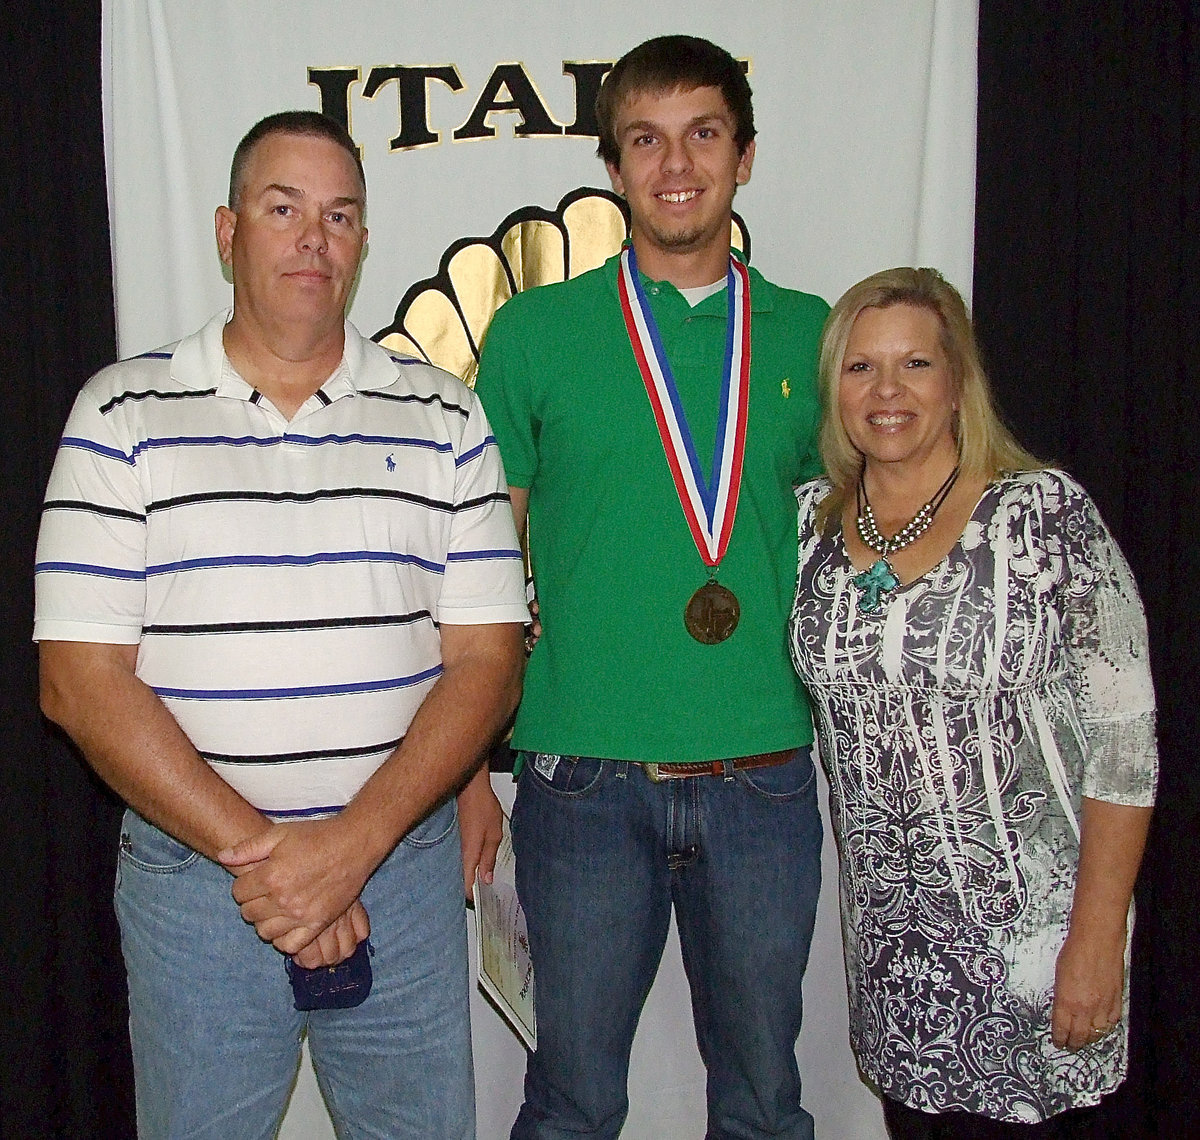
x=709, y=504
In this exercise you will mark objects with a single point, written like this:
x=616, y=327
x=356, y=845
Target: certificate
x=505, y=967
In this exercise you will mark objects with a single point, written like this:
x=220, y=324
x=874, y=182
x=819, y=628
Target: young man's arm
x=481, y=828
x=480, y=817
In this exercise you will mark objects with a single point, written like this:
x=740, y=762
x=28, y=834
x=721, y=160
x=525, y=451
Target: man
x=279, y=603
x=665, y=739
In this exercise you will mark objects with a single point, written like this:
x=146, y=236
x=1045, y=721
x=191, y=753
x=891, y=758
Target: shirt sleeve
x=90, y=571
x=504, y=384
x=484, y=582
x=1105, y=639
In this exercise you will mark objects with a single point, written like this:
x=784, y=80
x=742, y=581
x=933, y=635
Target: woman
x=976, y=650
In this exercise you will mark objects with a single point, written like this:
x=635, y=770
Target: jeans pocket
x=150, y=849
x=571, y=777
x=435, y=826
x=781, y=782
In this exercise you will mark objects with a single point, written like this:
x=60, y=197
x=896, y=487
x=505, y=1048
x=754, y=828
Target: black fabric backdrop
x=1087, y=234
x=1086, y=297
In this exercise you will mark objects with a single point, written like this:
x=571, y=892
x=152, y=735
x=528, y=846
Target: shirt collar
x=199, y=360
x=761, y=296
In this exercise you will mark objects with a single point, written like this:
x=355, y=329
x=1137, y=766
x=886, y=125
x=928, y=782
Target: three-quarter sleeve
x=1104, y=637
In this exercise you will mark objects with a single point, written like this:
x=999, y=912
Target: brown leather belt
x=658, y=772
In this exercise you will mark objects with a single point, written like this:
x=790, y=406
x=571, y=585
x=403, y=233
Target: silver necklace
x=879, y=580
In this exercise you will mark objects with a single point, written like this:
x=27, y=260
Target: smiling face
x=295, y=242
x=679, y=169
x=896, y=388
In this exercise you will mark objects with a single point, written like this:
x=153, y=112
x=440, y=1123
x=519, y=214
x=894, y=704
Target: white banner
x=469, y=112
x=865, y=111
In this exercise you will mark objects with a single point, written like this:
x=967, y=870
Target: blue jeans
x=216, y=1040
x=602, y=855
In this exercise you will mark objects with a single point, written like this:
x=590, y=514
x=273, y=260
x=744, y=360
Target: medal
x=709, y=504
x=712, y=613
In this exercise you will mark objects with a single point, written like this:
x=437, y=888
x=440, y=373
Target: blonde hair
x=985, y=445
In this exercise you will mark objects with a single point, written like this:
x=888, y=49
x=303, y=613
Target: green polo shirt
x=615, y=673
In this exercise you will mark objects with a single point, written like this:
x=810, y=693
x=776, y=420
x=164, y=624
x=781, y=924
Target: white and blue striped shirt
x=283, y=580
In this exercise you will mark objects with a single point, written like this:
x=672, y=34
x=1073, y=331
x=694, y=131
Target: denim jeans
x=216, y=1040
x=603, y=853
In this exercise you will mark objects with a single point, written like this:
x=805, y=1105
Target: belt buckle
x=651, y=771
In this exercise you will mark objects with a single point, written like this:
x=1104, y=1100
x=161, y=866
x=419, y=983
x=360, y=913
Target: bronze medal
x=712, y=613
x=709, y=499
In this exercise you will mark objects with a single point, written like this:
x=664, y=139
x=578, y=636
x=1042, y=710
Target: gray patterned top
x=960, y=725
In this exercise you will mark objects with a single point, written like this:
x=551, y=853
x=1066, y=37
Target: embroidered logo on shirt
x=391, y=463
x=785, y=388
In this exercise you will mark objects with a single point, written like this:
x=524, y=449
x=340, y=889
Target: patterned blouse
x=960, y=725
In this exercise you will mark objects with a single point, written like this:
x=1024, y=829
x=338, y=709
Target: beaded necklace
x=877, y=582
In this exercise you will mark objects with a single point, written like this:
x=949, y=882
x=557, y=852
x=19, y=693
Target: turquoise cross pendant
x=874, y=585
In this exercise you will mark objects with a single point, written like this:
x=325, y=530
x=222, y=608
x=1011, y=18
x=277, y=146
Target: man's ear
x=614, y=176
x=745, y=162
x=225, y=222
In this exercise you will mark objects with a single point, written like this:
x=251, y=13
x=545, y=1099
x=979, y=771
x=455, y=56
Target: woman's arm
x=1089, y=979
x=1104, y=637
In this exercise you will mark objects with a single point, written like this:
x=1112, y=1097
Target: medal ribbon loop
x=709, y=505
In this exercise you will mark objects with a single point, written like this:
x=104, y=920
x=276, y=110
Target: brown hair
x=673, y=63
x=307, y=123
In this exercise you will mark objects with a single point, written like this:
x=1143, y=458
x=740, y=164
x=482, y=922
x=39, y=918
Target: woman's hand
x=1089, y=977
x=1089, y=986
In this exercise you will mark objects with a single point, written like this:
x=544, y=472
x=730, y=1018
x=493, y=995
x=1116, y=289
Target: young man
x=279, y=604
x=653, y=416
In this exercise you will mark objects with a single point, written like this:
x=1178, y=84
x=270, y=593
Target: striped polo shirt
x=283, y=580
